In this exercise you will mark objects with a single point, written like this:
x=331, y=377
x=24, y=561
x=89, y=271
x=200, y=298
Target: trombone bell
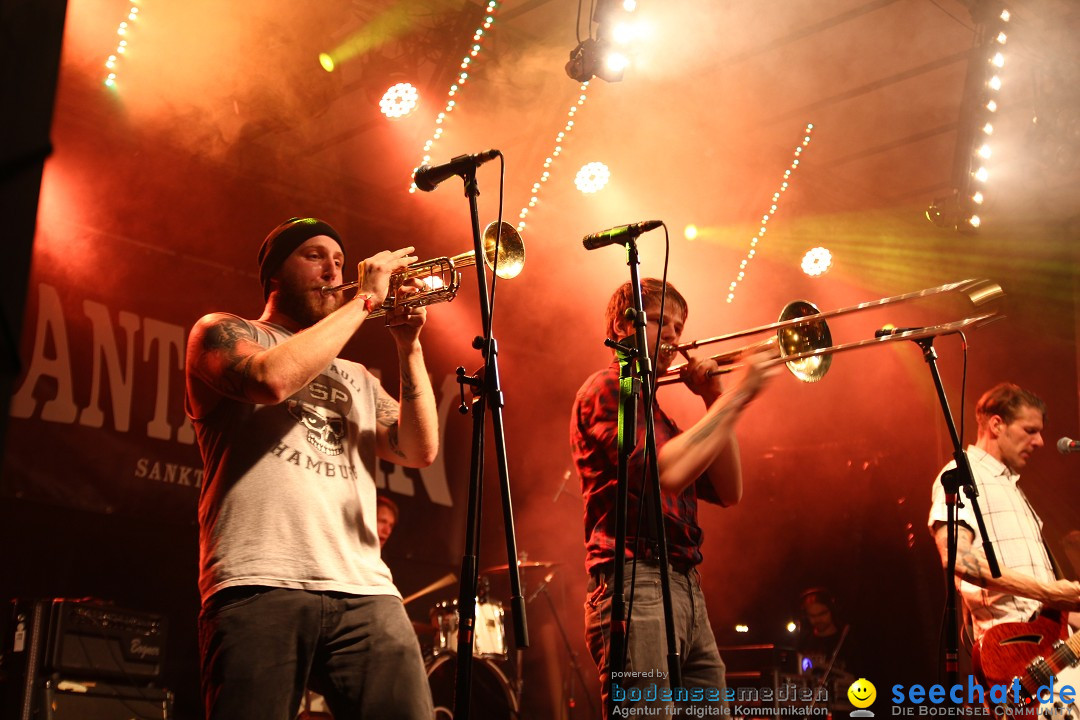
x=798, y=339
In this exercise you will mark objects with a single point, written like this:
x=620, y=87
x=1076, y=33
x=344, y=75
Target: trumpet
x=805, y=341
x=504, y=255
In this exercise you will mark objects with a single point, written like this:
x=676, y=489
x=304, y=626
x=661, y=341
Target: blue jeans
x=645, y=677
x=262, y=646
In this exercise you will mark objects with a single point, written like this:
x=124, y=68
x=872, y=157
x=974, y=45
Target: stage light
x=592, y=177
x=816, y=261
x=1001, y=38
x=773, y=206
x=974, y=221
x=690, y=232
x=399, y=101
x=1005, y=16
x=791, y=626
x=998, y=60
x=984, y=152
x=994, y=83
x=742, y=628
x=977, y=198
x=616, y=63
x=992, y=106
x=629, y=5
x=327, y=62
x=982, y=174
x=988, y=129
x=114, y=61
x=459, y=81
x=591, y=58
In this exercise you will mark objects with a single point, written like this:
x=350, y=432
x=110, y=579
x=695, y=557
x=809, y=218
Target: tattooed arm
x=407, y=433
x=709, y=445
x=971, y=565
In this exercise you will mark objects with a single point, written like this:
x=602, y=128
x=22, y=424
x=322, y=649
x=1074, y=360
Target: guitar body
x=1031, y=652
x=1006, y=649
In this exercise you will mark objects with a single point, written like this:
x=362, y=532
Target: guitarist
x=1010, y=429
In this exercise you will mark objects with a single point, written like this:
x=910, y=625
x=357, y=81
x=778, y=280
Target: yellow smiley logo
x=862, y=693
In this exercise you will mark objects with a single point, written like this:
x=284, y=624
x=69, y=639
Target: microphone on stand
x=618, y=234
x=1068, y=445
x=428, y=177
x=890, y=330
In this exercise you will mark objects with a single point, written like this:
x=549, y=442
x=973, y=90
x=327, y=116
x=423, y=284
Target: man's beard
x=305, y=305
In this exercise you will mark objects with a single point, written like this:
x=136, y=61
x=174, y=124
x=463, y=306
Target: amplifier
x=760, y=660
x=90, y=639
x=86, y=639
x=69, y=700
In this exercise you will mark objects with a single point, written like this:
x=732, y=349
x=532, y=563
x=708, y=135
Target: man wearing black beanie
x=294, y=591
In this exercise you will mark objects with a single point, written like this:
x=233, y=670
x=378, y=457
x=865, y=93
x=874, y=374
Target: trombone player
x=294, y=591
x=700, y=463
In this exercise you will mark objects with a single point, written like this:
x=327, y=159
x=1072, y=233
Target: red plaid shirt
x=594, y=442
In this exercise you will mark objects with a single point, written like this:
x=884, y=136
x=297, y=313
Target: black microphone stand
x=951, y=481
x=635, y=374
x=490, y=400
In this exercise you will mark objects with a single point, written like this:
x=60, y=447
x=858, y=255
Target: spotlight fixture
x=956, y=213
x=399, y=100
x=817, y=261
x=592, y=177
x=593, y=58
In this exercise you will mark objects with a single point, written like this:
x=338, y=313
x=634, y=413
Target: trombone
x=805, y=342
x=505, y=255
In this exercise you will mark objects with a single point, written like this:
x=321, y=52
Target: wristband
x=370, y=303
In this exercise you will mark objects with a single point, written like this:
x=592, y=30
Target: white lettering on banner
x=122, y=377
x=148, y=469
x=107, y=356
x=51, y=359
x=165, y=336
x=50, y=322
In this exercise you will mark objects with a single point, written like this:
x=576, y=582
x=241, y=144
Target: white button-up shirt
x=1016, y=532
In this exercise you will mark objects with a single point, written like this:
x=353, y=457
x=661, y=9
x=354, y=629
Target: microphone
x=889, y=331
x=618, y=234
x=428, y=177
x=1068, y=445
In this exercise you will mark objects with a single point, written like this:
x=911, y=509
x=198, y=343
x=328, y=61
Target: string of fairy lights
x=457, y=85
x=774, y=205
x=560, y=138
x=112, y=63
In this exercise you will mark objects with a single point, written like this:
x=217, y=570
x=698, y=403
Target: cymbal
x=523, y=565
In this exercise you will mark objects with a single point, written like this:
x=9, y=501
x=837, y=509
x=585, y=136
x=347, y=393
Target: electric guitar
x=1032, y=653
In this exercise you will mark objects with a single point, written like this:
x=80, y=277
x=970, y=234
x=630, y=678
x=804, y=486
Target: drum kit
x=495, y=694
x=497, y=678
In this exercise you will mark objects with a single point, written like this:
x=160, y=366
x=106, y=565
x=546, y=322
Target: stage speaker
x=88, y=700
x=91, y=639
x=49, y=642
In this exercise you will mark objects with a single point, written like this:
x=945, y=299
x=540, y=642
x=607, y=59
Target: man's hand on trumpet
x=405, y=323
x=374, y=272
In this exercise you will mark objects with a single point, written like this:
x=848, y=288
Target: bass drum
x=492, y=698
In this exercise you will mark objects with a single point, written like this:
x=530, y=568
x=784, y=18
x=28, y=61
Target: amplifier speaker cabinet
x=89, y=700
x=95, y=640
x=46, y=640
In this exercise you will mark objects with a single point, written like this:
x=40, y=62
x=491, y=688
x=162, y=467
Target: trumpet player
x=294, y=591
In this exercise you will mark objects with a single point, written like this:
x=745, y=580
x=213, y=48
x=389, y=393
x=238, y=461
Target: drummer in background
x=386, y=517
